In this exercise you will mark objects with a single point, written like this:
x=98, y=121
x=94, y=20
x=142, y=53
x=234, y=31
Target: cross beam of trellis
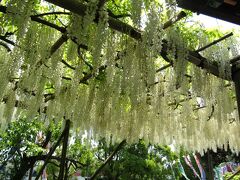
x=193, y=56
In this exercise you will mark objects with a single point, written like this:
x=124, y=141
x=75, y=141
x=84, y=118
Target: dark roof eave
x=224, y=12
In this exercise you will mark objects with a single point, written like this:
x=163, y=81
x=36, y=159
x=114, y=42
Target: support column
x=54, y=147
x=210, y=165
x=64, y=150
x=236, y=80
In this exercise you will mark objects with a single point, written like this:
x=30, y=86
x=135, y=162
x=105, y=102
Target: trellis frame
x=193, y=56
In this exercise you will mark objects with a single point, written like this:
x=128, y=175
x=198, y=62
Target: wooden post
x=236, y=80
x=64, y=150
x=49, y=155
x=210, y=166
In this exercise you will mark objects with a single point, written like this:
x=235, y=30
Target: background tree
x=139, y=160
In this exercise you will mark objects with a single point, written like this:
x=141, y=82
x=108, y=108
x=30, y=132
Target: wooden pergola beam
x=80, y=9
x=192, y=57
x=115, y=24
x=215, y=42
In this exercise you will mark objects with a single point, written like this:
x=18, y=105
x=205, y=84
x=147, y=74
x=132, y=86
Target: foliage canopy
x=138, y=160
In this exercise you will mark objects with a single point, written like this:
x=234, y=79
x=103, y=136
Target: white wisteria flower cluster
x=107, y=82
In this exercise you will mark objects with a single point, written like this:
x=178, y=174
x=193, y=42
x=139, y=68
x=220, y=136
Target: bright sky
x=210, y=22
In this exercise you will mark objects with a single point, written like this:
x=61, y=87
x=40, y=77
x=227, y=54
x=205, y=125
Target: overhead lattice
x=117, y=67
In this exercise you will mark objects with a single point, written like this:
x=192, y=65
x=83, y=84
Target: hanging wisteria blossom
x=121, y=69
